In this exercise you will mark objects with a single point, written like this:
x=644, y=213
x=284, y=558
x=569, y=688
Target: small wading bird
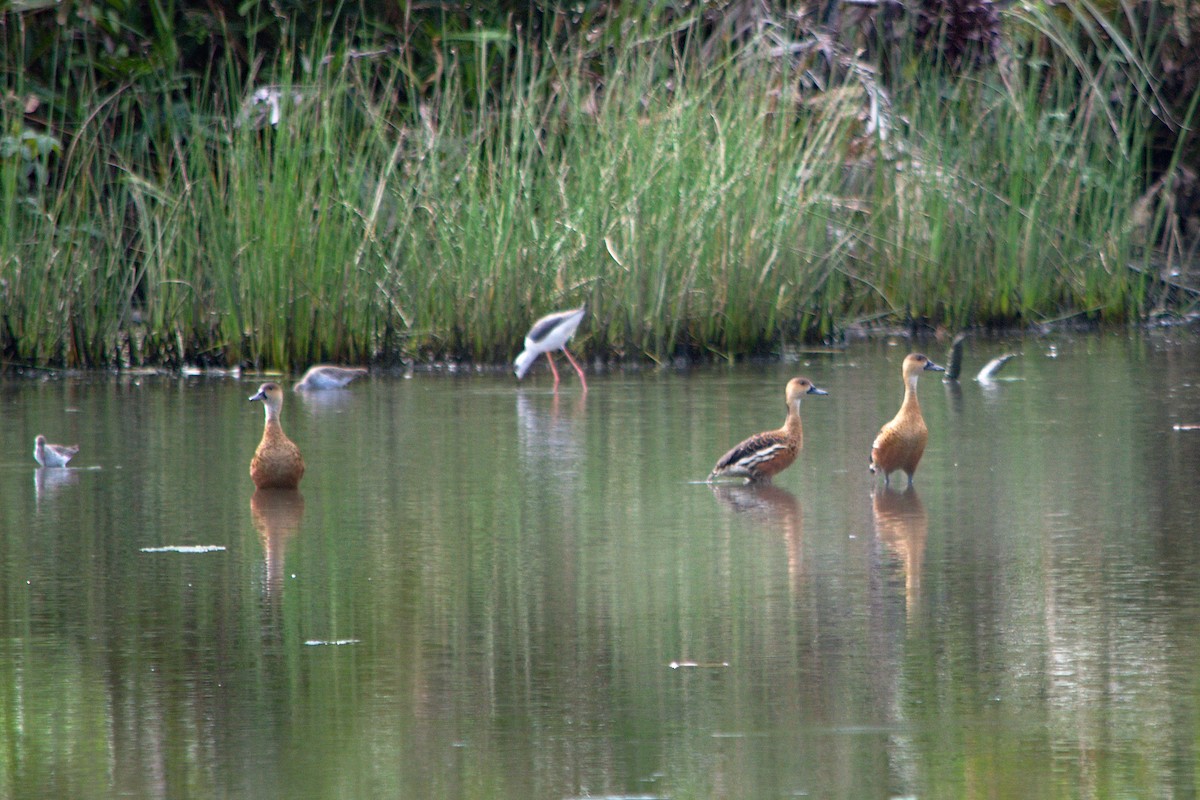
x=901, y=442
x=769, y=453
x=327, y=377
x=548, y=334
x=52, y=455
x=277, y=463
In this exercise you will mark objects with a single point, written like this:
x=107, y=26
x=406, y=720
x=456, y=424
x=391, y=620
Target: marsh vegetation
x=710, y=187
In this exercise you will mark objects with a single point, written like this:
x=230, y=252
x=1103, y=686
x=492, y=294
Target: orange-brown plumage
x=901, y=442
x=277, y=463
x=766, y=454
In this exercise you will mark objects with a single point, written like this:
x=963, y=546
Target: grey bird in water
x=992, y=367
x=988, y=373
x=52, y=455
x=325, y=376
x=954, y=360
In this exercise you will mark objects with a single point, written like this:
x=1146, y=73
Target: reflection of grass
x=715, y=213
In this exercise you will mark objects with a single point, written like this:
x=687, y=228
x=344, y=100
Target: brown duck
x=277, y=463
x=901, y=442
x=766, y=454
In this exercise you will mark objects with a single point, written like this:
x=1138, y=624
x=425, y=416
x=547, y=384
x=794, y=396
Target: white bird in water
x=52, y=455
x=325, y=376
x=992, y=367
x=548, y=334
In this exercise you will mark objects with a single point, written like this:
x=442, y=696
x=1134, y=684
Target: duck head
x=916, y=363
x=798, y=387
x=272, y=397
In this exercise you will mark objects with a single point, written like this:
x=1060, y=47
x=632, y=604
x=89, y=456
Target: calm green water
x=535, y=600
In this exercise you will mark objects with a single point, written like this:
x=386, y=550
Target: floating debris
x=698, y=664
x=185, y=548
x=192, y=371
x=1185, y=427
x=330, y=642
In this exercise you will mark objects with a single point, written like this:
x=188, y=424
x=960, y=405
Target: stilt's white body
x=550, y=333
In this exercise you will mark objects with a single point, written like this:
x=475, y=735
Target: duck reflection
x=47, y=481
x=277, y=514
x=902, y=525
x=770, y=506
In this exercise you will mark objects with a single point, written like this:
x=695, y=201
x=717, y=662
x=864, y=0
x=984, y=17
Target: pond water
x=485, y=589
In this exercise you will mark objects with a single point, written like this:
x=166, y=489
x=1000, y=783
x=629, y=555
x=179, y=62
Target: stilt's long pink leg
x=582, y=379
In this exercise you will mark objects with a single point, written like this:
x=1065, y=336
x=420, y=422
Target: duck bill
x=932, y=367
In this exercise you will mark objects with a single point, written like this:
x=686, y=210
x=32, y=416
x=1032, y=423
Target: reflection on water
x=511, y=573
x=326, y=400
x=771, y=507
x=549, y=430
x=277, y=514
x=47, y=481
x=902, y=526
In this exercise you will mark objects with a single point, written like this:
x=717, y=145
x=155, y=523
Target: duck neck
x=910, y=405
x=791, y=426
x=272, y=416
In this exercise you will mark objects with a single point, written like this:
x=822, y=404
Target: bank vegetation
x=256, y=185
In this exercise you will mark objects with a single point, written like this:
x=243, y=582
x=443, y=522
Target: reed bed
x=699, y=213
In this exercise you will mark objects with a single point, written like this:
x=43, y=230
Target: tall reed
x=1010, y=206
x=698, y=211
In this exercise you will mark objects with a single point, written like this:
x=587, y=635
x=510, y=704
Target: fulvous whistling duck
x=52, y=455
x=901, y=442
x=769, y=453
x=548, y=334
x=327, y=377
x=277, y=463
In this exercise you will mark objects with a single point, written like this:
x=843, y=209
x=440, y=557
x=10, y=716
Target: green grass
x=699, y=212
x=1010, y=209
